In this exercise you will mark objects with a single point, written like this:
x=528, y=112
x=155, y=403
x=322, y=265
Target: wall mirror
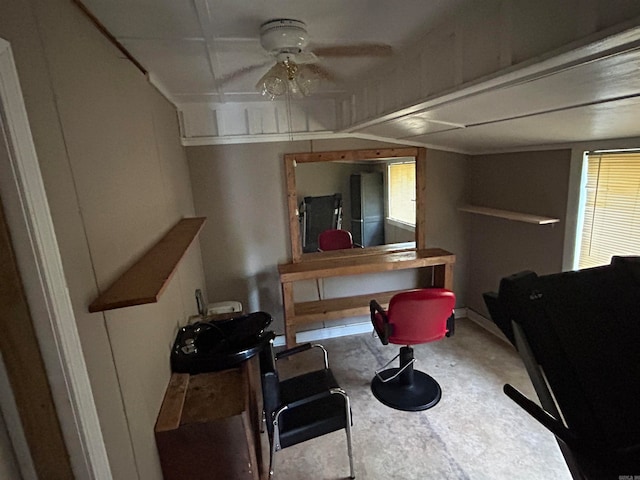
x=329, y=179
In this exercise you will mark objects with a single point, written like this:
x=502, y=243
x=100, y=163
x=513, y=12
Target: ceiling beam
x=618, y=39
x=100, y=26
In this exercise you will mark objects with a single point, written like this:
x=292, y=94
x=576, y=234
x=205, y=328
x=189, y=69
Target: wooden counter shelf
x=335, y=308
x=341, y=264
x=145, y=281
x=360, y=264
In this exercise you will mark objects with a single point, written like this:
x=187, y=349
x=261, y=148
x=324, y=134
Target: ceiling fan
x=297, y=71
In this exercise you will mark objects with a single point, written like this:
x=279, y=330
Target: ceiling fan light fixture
x=288, y=77
x=273, y=83
x=307, y=82
x=273, y=87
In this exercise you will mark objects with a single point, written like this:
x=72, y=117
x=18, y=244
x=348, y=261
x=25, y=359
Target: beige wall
x=241, y=189
x=445, y=226
x=528, y=182
x=116, y=180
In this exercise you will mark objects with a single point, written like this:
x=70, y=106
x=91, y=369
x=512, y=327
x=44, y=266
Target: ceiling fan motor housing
x=284, y=36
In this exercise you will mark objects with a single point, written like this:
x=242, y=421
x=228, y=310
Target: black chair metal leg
x=271, y=455
x=347, y=407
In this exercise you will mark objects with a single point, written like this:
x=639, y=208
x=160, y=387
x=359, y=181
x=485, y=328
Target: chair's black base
x=422, y=393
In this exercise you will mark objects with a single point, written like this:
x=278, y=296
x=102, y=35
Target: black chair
x=303, y=407
x=578, y=334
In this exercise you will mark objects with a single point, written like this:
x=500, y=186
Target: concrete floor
x=474, y=432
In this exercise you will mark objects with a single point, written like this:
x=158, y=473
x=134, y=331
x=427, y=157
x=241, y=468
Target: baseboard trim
x=341, y=331
x=328, y=332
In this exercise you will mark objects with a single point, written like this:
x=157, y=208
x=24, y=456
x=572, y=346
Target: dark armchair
x=303, y=407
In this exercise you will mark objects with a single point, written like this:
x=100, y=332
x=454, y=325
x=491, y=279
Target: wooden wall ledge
x=145, y=281
x=509, y=215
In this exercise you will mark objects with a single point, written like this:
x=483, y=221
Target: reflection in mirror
x=374, y=200
x=373, y=194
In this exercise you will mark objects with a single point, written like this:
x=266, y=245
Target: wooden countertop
x=202, y=398
x=360, y=264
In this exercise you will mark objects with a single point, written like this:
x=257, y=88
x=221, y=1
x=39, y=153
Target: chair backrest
x=335, y=240
x=420, y=316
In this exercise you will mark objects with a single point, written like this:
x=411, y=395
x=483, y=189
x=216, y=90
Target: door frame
x=38, y=257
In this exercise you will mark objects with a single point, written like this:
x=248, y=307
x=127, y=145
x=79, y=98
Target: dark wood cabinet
x=209, y=426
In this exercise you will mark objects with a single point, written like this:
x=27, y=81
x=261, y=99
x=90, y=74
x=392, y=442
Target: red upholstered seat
x=334, y=240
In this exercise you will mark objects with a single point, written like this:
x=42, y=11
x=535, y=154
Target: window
x=611, y=211
x=402, y=192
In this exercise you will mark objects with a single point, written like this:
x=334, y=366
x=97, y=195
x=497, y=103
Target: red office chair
x=334, y=240
x=413, y=317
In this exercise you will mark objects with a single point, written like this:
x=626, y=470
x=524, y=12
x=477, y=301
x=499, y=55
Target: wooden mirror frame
x=292, y=159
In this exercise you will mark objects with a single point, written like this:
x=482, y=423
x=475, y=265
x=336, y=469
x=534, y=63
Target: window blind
x=402, y=192
x=611, y=222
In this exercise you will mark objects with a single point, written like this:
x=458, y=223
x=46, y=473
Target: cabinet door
x=356, y=197
x=372, y=196
x=357, y=232
x=213, y=432
x=367, y=209
x=372, y=233
x=215, y=450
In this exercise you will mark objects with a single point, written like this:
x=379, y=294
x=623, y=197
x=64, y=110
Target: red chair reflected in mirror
x=335, y=239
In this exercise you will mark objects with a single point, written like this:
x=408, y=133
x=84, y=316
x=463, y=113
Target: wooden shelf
x=506, y=214
x=335, y=308
x=145, y=281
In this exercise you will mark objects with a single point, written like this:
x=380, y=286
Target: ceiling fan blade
x=355, y=50
x=321, y=72
x=223, y=80
x=303, y=58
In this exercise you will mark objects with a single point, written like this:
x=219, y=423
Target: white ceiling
x=191, y=46
x=594, y=100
